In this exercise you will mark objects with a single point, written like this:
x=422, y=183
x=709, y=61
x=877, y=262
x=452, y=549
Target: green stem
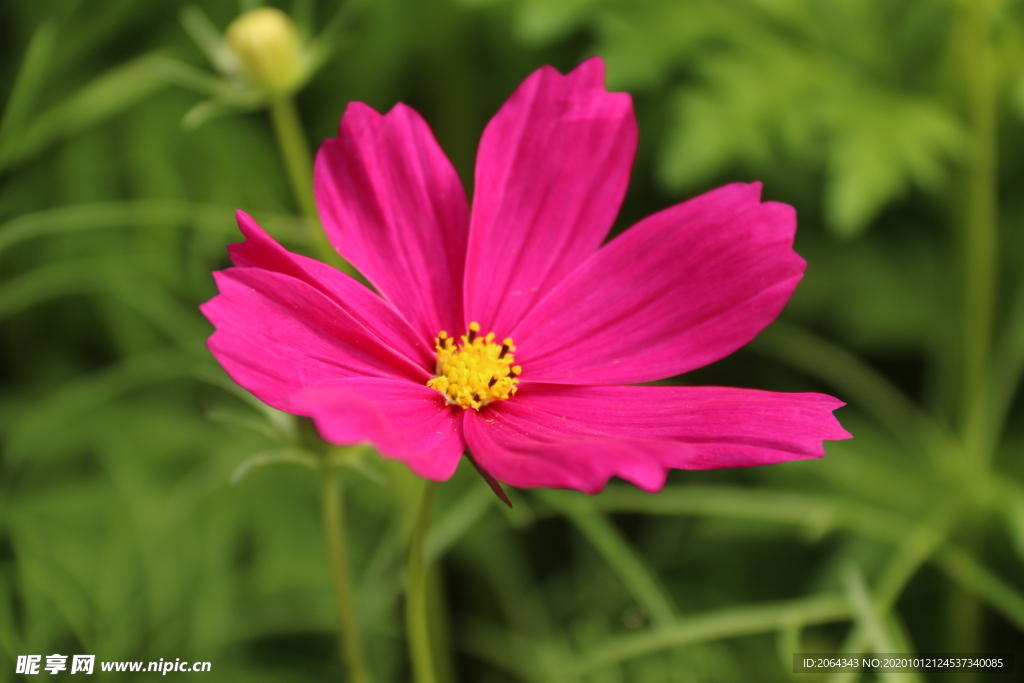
x=916, y=549
x=416, y=617
x=731, y=622
x=640, y=580
x=334, y=528
x=980, y=239
x=980, y=242
x=973, y=576
x=297, y=159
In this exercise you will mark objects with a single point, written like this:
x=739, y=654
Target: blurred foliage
x=149, y=508
x=853, y=86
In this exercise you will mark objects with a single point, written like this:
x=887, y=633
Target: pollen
x=475, y=370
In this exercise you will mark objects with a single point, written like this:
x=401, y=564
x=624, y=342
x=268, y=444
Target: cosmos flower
x=508, y=330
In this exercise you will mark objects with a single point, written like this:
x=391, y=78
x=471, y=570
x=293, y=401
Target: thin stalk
x=918, y=547
x=980, y=244
x=979, y=226
x=975, y=577
x=621, y=557
x=1008, y=359
x=297, y=159
x=876, y=627
x=334, y=527
x=717, y=625
x=440, y=631
x=417, y=621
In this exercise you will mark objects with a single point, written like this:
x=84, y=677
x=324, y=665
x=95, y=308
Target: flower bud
x=267, y=46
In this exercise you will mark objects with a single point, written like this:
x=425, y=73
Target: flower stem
x=416, y=617
x=918, y=546
x=979, y=226
x=295, y=150
x=334, y=528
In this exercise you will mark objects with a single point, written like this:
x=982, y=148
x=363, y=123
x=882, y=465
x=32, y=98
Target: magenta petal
x=723, y=426
x=577, y=437
x=392, y=205
x=259, y=250
x=551, y=173
x=277, y=335
x=525, y=446
x=403, y=420
x=677, y=291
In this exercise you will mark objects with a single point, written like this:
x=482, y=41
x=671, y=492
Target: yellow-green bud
x=267, y=46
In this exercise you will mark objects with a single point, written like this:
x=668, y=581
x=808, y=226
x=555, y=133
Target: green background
x=893, y=126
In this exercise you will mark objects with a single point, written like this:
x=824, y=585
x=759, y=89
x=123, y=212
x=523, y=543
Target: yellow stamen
x=477, y=372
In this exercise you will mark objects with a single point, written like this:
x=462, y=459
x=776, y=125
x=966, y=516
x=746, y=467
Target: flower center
x=476, y=372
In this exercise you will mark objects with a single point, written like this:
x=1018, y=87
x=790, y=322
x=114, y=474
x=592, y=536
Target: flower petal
x=527, y=447
x=723, y=426
x=403, y=420
x=392, y=205
x=277, y=335
x=677, y=291
x=260, y=250
x=551, y=173
x=577, y=437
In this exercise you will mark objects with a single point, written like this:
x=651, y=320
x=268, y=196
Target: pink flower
x=582, y=323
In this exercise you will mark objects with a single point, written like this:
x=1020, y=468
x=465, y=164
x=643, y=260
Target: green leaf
x=35, y=429
x=106, y=96
x=105, y=278
x=29, y=81
x=194, y=79
x=1007, y=367
x=51, y=281
x=208, y=38
x=498, y=556
x=246, y=421
x=768, y=82
x=10, y=640
x=880, y=146
x=698, y=145
x=633, y=570
x=283, y=423
x=337, y=29
x=644, y=43
x=40, y=572
x=1012, y=507
x=983, y=584
x=361, y=458
x=448, y=528
x=223, y=105
x=871, y=621
x=817, y=514
x=283, y=456
x=140, y=213
x=527, y=657
x=541, y=21
x=731, y=622
x=302, y=14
